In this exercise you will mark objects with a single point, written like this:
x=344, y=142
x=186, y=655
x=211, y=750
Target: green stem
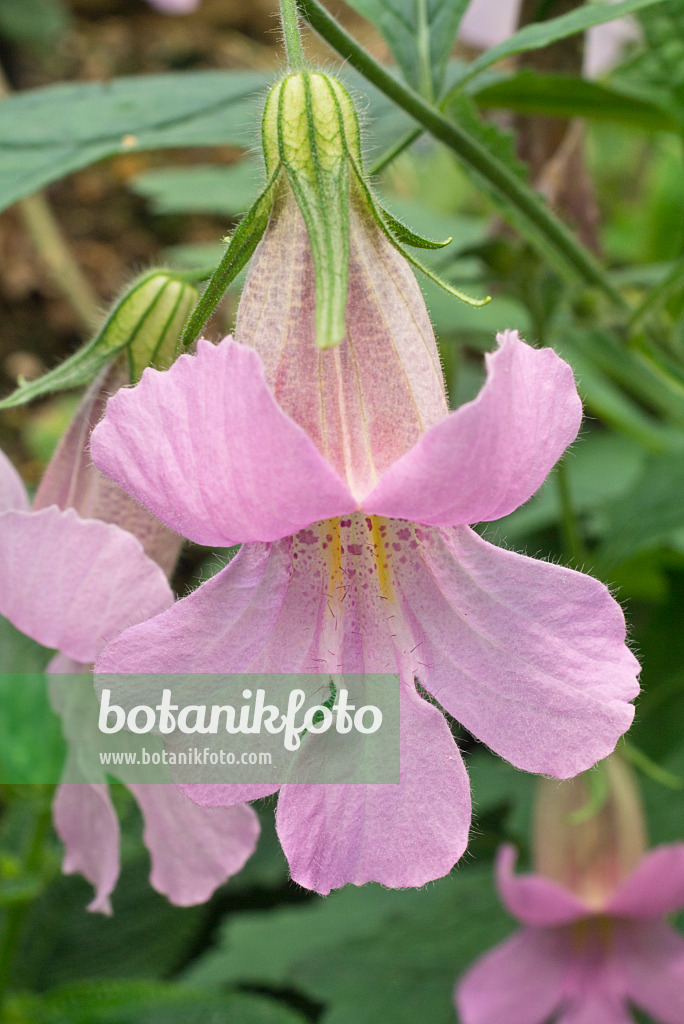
x=396, y=150
x=572, y=539
x=293, y=42
x=572, y=252
x=17, y=913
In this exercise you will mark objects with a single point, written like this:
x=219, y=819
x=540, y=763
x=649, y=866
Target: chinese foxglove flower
x=74, y=570
x=594, y=940
x=351, y=489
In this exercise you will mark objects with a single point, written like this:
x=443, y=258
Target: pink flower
x=175, y=6
x=350, y=487
x=579, y=961
x=72, y=583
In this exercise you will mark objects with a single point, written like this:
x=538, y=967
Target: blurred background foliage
x=157, y=169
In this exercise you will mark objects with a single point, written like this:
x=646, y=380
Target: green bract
x=146, y=322
x=312, y=145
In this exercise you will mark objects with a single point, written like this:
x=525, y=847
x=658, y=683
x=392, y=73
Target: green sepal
x=379, y=216
x=406, y=236
x=241, y=246
x=143, y=320
x=321, y=188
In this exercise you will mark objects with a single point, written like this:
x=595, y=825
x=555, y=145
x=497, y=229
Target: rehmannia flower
x=594, y=940
x=80, y=565
x=351, y=488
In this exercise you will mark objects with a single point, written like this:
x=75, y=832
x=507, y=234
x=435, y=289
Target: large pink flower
x=72, y=584
x=582, y=962
x=351, y=487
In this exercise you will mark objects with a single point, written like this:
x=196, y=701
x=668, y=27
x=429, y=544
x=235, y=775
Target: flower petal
x=534, y=899
x=529, y=656
x=52, y=568
x=208, y=450
x=193, y=849
x=599, y=1006
x=400, y=835
x=13, y=494
x=652, y=959
x=520, y=981
x=85, y=820
x=655, y=887
x=491, y=455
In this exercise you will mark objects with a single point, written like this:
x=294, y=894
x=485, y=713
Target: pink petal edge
x=491, y=455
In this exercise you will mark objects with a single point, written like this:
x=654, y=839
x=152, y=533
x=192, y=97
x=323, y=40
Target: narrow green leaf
x=543, y=33
x=242, y=244
x=406, y=236
x=420, y=34
x=532, y=92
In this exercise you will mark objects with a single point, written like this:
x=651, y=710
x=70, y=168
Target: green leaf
x=33, y=21
x=533, y=92
x=543, y=33
x=141, y=1002
x=48, y=133
x=420, y=34
x=649, y=514
x=224, y=191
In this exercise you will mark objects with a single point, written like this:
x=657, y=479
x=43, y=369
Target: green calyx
x=312, y=145
x=145, y=323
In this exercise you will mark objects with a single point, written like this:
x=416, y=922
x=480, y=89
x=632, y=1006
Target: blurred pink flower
x=350, y=487
x=72, y=583
x=175, y=6
x=583, y=962
x=488, y=22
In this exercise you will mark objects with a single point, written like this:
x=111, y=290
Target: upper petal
x=194, y=849
x=491, y=455
x=529, y=656
x=205, y=446
x=73, y=583
x=518, y=982
x=655, y=887
x=400, y=835
x=534, y=899
x=12, y=491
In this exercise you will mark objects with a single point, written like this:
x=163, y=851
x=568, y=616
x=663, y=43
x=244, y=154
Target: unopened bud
x=588, y=837
x=149, y=319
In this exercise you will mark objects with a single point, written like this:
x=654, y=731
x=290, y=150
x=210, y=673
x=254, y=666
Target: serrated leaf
x=420, y=34
x=533, y=92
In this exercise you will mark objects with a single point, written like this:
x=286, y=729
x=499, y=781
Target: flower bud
x=149, y=319
x=589, y=841
x=309, y=124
